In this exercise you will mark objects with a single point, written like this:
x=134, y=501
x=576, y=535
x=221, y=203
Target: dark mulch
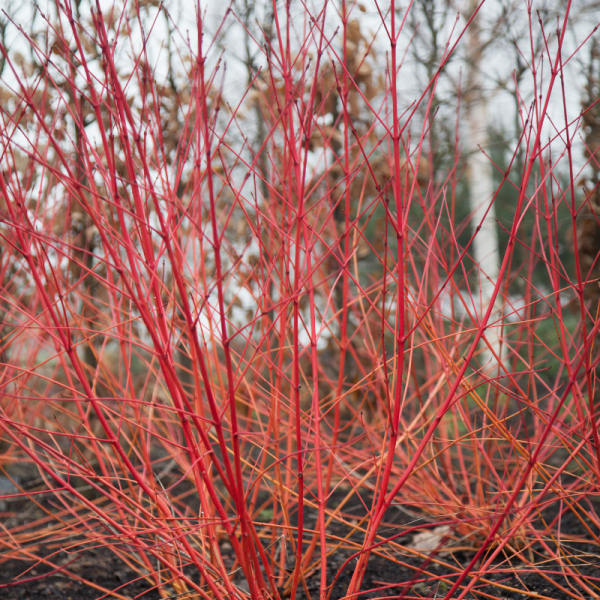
x=417, y=579
x=384, y=578
x=98, y=566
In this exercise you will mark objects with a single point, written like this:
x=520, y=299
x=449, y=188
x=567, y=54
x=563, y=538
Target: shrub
x=231, y=310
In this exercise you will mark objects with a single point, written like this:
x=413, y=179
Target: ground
x=407, y=578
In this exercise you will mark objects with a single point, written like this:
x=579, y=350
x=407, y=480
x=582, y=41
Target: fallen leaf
x=427, y=541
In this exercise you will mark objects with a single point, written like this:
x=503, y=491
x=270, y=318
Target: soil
x=384, y=578
x=416, y=578
x=98, y=566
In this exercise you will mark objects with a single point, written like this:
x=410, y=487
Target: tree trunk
x=481, y=190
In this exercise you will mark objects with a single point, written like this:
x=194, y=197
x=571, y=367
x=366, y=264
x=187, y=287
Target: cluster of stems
x=229, y=315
